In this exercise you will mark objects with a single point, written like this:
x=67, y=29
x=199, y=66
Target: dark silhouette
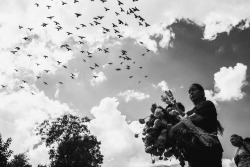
x=242, y=156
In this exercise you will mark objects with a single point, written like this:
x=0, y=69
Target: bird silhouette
x=106, y=9
x=83, y=25
x=13, y=51
x=45, y=56
x=96, y=65
x=38, y=77
x=3, y=86
x=48, y=6
x=45, y=83
x=58, y=62
x=36, y=4
x=46, y=71
x=122, y=10
x=20, y=27
x=120, y=3
x=78, y=14
x=50, y=17
x=26, y=38
x=44, y=24
x=30, y=29
x=64, y=3
x=60, y=82
x=65, y=66
x=95, y=76
x=146, y=24
x=69, y=33
x=118, y=69
x=24, y=81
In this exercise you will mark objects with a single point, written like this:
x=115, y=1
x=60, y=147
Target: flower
x=142, y=121
x=158, y=113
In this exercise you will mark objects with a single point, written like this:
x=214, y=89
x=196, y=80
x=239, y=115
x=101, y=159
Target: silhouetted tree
x=19, y=160
x=5, y=152
x=70, y=142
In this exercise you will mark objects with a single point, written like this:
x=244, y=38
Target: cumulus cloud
x=228, y=83
x=19, y=111
x=163, y=85
x=98, y=78
x=119, y=146
x=132, y=94
x=228, y=163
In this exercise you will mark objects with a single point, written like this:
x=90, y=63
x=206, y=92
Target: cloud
x=229, y=83
x=163, y=85
x=132, y=94
x=228, y=163
x=19, y=111
x=119, y=146
x=100, y=77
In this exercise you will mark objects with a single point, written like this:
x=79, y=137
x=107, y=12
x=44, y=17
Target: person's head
x=236, y=140
x=196, y=93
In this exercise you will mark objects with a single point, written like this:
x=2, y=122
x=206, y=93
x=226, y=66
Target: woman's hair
x=220, y=129
x=198, y=86
x=235, y=135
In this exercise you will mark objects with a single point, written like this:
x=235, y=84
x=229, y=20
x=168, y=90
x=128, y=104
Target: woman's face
x=236, y=141
x=195, y=94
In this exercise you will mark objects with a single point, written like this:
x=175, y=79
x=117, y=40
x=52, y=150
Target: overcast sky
x=167, y=45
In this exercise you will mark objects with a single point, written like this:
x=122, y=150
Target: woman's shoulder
x=207, y=103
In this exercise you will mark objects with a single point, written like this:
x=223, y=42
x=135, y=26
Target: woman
x=242, y=156
x=207, y=150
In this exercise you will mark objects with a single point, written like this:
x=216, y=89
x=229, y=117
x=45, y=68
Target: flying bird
x=3, y=86
x=118, y=69
x=46, y=71
x=45, y=56
x=20, y=27
x=48, y=6
x=120, y=3
x=69, y=33
x=60, y=83
x=44, y=24
x=38, y=77
x=50, y=17
x=64, y=3
x=24, y=81
x=106, y=9
x=36, y=4
x=58, y=62
x=78, y=14
x=30, y=29
x=13, y=51
x=45, y=83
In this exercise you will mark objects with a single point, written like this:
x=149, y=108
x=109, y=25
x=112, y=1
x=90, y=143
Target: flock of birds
x=97, y=20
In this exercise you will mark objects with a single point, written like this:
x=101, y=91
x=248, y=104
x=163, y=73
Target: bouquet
x=157, y=126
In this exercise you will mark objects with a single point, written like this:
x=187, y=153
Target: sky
x=139, y=50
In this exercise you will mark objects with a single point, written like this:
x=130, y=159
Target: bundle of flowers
x=157, y=125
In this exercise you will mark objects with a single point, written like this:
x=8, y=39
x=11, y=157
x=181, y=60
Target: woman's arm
x=196, y=118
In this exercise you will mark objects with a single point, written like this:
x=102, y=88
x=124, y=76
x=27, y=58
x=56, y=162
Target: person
x=242, y=156
x=206, y=150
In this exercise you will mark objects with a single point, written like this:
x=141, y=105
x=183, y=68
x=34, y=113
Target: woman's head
x=236, y=140
x=196, y=92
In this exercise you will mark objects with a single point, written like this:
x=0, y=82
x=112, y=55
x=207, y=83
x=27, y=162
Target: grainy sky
x=162, y=45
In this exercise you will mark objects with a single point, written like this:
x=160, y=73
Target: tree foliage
x=5, y=152
x=19, y=160
x=70, y=142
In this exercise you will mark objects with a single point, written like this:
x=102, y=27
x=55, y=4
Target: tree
x=19, y=160
x=5, y=152
x=70, y=142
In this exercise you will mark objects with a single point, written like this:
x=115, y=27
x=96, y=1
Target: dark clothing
x=242, y=156
x=201, y=155
x=208, y=111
